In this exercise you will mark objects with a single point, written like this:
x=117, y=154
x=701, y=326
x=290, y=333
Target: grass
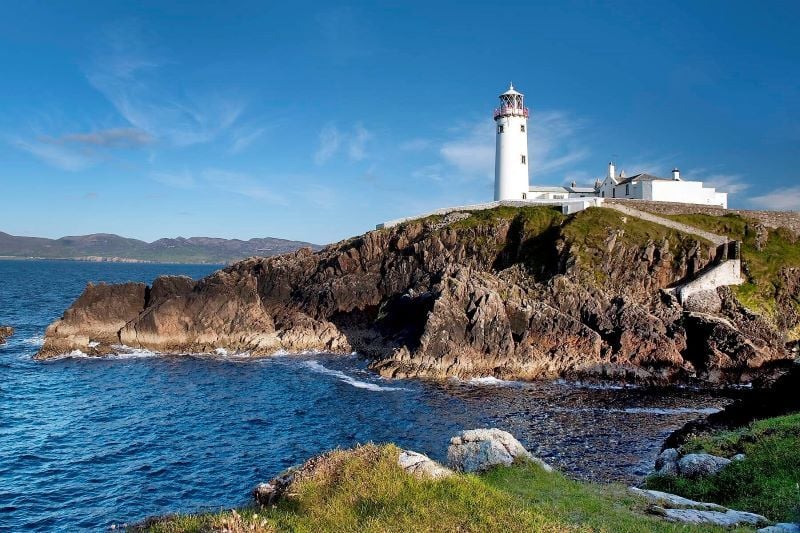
x=365, y=490
x=767, y=481
x=781, y=250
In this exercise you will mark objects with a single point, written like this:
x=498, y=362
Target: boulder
x=476, y=450
x=697, y=465
x=422, y=466
x=667, y=462
x=5, y=332
x=675, y=508
x=782, y=527
x=269, y=493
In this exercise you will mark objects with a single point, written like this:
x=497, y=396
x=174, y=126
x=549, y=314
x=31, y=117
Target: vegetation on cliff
x=766, y=481
x=771, y=260
x=515, y=293
x=365, y=490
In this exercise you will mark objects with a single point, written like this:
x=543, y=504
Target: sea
x=87, y=444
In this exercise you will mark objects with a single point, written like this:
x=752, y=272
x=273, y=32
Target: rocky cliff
x=5, y=332
x=521, y=293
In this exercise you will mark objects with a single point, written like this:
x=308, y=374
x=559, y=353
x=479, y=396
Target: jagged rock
x=679, y=509
x=782, y=527
x=422, y=466
x=728, y=518
x=477, y=450
x=461, y=296
x=269, y=493
x=696, y=465
x=5, y=332
x=667, y=462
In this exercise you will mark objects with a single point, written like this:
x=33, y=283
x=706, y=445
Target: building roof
x=642, y=177
x=546, y=188
x=511, y=90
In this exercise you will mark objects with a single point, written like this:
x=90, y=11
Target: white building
x=511, y=154
x=648, y=187
x=511, y=170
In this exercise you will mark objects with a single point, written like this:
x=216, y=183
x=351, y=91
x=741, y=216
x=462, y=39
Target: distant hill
x=108, y=247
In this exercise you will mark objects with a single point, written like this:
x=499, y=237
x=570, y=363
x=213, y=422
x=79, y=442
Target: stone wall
x=720, y=275
x=628, y=209
x=771, y=219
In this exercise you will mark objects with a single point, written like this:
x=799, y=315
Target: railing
x=508, y=110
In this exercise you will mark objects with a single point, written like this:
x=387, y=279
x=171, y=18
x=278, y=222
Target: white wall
x=510, y=174
x=688, y=192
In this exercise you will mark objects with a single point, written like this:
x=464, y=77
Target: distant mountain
x=108, y=247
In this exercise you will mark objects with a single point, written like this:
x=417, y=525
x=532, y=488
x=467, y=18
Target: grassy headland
x=767, y=481
x=365, y=490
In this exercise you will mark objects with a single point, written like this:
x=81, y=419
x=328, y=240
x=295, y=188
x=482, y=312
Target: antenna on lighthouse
x=511, y=155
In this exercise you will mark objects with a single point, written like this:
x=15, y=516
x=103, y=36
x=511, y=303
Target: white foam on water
x=492, y=381
x=670, y=410
x=34, y=340
x=316, y=366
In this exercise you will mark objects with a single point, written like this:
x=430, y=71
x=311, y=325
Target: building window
x=500, y=128
x=614, y=192
x=524, y=196
x=603, y=194
x=523, y=159
x=522, y=128
x=627, y=189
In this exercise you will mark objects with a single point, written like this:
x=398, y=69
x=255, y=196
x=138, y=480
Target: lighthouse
x=511, y=156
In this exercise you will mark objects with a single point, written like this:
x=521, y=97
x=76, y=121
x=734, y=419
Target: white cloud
x=59, y=156
x=329, y=141
x=415, y=145
x=357, y=142
x=553, y=145
x=781, y=199
x=332, y=139
x=729, y=183
x=131, y=77
x=473, y=153
x=242, y=184
x=243, y=138
x=112, y=138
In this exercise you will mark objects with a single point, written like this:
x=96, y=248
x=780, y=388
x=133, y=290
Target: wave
x=670, y=410
x=34, y=340
x=316, y=366
x=492, y=381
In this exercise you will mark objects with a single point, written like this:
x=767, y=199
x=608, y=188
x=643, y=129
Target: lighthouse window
x=523, y=159
x=500, y=128
x=522, y=127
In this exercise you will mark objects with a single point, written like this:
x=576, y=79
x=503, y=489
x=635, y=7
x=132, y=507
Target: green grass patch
x=766, y=482
x=780, y=250
x=365, y=490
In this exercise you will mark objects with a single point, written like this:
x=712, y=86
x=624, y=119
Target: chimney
x=611, y=170
x=676, y=174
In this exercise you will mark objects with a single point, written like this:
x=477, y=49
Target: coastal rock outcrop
x=476, y=450
x=514, y=293
x=5, y=332
x=678, y=509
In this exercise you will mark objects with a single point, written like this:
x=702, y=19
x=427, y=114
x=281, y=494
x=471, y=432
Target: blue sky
x=316, y=121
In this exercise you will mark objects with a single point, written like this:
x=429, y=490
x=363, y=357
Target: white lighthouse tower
x=511, y=157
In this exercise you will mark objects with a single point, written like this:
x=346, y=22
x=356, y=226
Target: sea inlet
x=86, y=442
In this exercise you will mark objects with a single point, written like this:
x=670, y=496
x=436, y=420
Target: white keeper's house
x=511, y=178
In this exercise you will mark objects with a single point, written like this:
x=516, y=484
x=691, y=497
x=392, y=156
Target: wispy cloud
x=357, y=142
x=553, y=145
x=473, y=152
x=416, y=145
x=179, y=180
x=243, y=138
x=329, y=141
x=59, y=156
x=781, y=199
x=133, y=79
x=729, y=183
x=243, y=185
x=111, y=138
x=332, y=139
x=344, y=36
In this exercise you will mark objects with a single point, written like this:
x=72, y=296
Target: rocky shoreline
x=5, y=333
x=514, y=293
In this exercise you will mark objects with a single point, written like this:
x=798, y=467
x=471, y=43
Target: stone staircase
x=725, y=270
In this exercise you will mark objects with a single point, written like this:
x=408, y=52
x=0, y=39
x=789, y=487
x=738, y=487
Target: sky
x=316, y=121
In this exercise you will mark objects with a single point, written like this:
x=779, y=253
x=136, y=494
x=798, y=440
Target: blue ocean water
x=86, y=443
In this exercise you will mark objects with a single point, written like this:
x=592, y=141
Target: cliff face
x=515, y=293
